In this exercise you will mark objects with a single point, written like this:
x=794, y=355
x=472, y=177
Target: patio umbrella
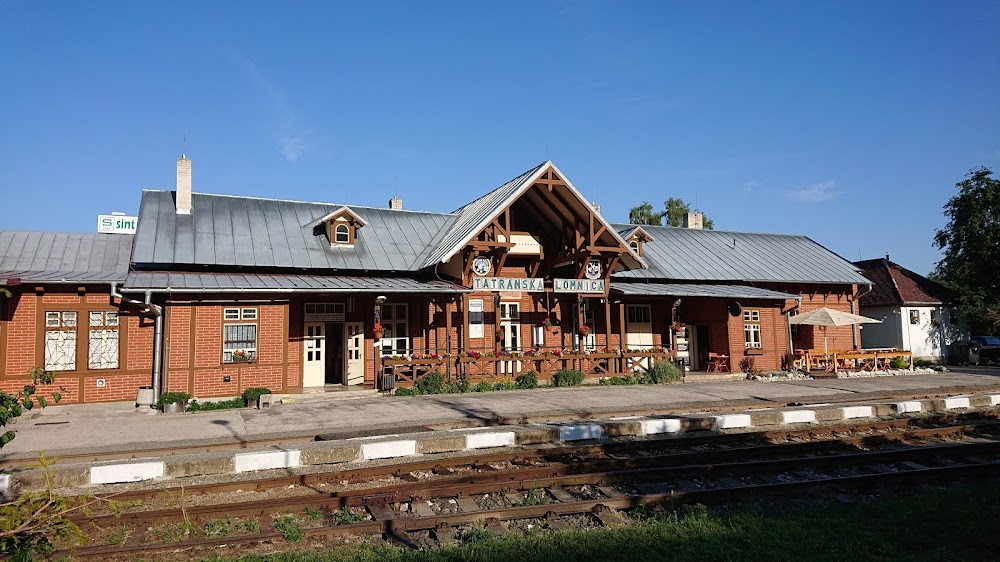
x=829, y=317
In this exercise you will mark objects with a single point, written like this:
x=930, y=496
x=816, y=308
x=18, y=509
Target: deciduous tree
x=643, y=214
x=971, y=245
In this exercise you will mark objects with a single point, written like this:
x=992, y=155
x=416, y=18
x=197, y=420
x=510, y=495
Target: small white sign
x=578, y=286
x=508, y=284
x=116, y=224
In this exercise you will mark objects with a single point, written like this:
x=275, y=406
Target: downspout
x=157, y=312
x=788, y=324
x=854, y=333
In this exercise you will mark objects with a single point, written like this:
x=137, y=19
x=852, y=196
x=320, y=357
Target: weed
x=476, y=534
x=533, y=497
x=289, y=528
x=484, y=386
x=313, y=513
x=117, y=507
x=505, y=385
x=344, y=516
x=118, y=536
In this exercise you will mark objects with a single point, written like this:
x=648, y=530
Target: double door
x=333, y=353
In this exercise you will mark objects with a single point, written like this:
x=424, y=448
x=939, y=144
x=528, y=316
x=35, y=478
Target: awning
x=187, y=282
x=692, y=290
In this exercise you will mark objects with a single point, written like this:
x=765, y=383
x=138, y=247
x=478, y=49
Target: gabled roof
x=186, y=282
x=342, y=212
x=893, y=284
x=685, y=254
x=635, y=230
x=63, y=257
x=229, y=231
x=475, y=216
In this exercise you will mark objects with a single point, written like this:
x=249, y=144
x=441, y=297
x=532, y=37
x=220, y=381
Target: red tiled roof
x=894, y=284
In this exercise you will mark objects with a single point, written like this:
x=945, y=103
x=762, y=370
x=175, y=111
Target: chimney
x=693, y=220
x=183, y=195
x=396, y=204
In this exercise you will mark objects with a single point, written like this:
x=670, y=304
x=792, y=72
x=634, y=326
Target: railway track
x=580, y=482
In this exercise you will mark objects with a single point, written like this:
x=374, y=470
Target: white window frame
x=751, y=330
x=510, y=323
x=337, y=232
x=103, y=351
x=396, y=340
x=588, y=343
x=235, y=318
x=60, y=339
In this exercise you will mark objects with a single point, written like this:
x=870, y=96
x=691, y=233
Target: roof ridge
x=256, y=198
x=707, y=230
x=895, y=286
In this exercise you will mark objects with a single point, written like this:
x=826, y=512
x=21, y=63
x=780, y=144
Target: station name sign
x=508, y=284
x=578, y=286
x=497, y=284
x=116, y=224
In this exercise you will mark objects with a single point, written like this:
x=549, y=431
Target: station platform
x=75, y=429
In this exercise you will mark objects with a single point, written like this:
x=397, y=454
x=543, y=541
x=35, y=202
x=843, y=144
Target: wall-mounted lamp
x=380, y=299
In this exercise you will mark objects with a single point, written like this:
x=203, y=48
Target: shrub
x=253, y=393
x=195, y=406
x=505, y=385
x=898, y=363
x=484, y=386
x=924, y=363
x=403, y=391
x=663, y=372
x=463, y=385
x=619, y=381
x=173, y=398
x=525, y=380
x=431, y=383
x=567, y=377
x=748, y=366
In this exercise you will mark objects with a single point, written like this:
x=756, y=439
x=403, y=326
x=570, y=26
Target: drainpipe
x=157, y=312
x=788, y=324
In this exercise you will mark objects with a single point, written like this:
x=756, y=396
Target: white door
x=510, y=322
x=355, y=352
x=314, y=349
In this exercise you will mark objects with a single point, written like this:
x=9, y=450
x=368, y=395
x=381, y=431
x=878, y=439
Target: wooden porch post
x=447, y=335
x=607, y=323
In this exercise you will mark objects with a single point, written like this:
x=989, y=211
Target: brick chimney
x=693, y=220
x=396, y=204
x=183, y=195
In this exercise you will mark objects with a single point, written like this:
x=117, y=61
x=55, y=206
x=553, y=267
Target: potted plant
x=243, y=356
x=584, y=331
x=173, y=402
x=547, y=322
x=378, y=331
x=501, y=332
x=251, y=396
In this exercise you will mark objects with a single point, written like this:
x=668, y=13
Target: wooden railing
x=834, y=361
x=476, y=367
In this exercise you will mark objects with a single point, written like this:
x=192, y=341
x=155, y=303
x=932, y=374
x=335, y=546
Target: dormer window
x=341, y=227
x=634, y=244
x=342, y=234
x=636, y=238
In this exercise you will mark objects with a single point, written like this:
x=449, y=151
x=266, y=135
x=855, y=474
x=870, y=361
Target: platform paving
x=117, y=427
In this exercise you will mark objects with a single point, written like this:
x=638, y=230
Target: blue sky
x=849, y=122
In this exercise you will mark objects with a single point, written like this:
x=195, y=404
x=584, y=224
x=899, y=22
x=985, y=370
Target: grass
x=950, y=524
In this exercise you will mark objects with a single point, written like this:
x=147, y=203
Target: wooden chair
x=718, y=363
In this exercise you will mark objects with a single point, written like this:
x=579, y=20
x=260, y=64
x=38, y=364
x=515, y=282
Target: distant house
x=917, y=313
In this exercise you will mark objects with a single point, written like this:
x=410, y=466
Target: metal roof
x=63, y=257
x=224, y=230
x=685, y=254
x=181, y=282
x=694, y=290
x=472, y=217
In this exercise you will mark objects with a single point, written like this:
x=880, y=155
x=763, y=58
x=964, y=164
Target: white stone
x=994, y=399
x=131, y=472
x=484, y=440
x=851, y=412
x=730, y=421
x=956, y=402
x=388, y=449
x=652, y=427
x=578, y=432
x=799, y=416
x=911, y=407
x=4, y=484
x=246, y=462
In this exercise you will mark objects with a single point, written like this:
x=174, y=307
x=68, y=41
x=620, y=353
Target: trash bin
x=144, y=397
x=964, y=352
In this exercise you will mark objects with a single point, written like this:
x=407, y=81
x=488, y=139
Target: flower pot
x=174, y=408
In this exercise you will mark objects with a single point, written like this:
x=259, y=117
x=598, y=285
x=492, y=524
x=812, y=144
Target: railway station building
x=214, y=294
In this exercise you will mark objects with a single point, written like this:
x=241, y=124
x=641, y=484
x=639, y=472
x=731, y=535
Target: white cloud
x=817, y=192
x=751, y=185
x=292, y=147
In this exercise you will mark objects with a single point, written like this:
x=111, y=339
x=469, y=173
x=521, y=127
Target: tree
x=643, y=214
x=971, y=245
x=12, y=405
x=674, y=209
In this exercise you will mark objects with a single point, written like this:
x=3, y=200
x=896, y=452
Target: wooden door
x=314, y=354
x=355, y=332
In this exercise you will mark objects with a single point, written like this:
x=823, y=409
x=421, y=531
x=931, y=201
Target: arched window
x=634, y=245
x=342, y=234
